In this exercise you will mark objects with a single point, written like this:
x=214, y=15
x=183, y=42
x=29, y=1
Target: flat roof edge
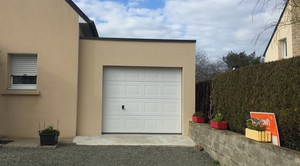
x=139, y=39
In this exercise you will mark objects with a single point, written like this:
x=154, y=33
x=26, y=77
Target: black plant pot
x=48, y=138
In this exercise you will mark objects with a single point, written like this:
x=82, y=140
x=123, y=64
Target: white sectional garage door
x=141, y=100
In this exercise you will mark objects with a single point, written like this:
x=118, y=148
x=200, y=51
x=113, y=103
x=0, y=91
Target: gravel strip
x=69, y=154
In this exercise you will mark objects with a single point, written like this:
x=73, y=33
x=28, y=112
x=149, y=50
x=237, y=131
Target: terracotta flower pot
x=218, y=125
x=198, y=119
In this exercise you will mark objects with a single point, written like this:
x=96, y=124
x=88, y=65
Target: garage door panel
x=142, y=90
x=141, y=124
x=153, y=76
x=151, y=124
x=133, y=90
x=113, y=89
x=114, y=74
x=143, y=74
x=151, y=98
x=171, y=108
x=152, y=90
x=170, y=124
x=171, y=91
x=132, y=124
x=142, y=107
x=112, y=124
x=152, y=107
x=132, y=107
x=172, y=75
x=114, y=106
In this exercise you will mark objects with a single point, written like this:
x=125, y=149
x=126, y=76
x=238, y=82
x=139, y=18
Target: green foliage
x=270, y=87
x=255, y=124
x=218, y=117
x=199, y=114
x=241, y=59
x=49, y=130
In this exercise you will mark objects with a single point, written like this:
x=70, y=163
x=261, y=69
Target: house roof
x=89, y=30
x=89, y=27
x=277, y=25
x=140, y=39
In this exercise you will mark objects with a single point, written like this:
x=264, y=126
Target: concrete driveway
x=106, y=150
x=77, y=155
x=113, y=139
x=135, y=139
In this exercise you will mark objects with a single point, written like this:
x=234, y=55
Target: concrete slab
x=23, y=142
x=135, y=140
x=32, y=142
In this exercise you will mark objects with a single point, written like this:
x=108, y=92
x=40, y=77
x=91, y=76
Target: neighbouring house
x=53, y=66
x=285, y=40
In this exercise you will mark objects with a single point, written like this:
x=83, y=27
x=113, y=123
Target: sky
x=218, y=26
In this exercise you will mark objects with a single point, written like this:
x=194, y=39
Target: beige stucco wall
x=296, y=38
x=296, y=28
x=94, y=54
x=284, y=30
x=48, y=28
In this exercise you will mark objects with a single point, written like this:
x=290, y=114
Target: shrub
x=218, y=117
x=49, y=130
x=198, y=114
x=270, y=87
x=255, y=124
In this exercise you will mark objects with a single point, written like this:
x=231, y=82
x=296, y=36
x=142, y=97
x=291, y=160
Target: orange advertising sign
x=271, y=125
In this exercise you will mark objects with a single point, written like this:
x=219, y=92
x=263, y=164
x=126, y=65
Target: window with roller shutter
x=23, y=71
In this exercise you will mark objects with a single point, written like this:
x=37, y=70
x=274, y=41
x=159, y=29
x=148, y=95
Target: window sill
x=22, y=92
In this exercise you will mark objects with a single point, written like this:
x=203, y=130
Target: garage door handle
x=123, y=107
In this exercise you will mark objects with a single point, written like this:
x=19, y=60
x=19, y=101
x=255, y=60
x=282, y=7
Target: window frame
x=283, y=48
x=17, y=86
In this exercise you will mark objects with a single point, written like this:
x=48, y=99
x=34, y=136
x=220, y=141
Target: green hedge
x=270, y=87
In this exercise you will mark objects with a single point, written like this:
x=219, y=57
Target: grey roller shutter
x=24, y=65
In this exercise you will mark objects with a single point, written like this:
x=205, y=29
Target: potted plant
x=256, y=130
x=218, y=122
x=198, y=117
x=48, y=136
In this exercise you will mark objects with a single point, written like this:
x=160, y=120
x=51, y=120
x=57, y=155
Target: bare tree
x=292, y=12
x=207, y=70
